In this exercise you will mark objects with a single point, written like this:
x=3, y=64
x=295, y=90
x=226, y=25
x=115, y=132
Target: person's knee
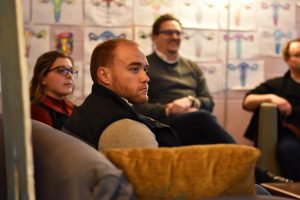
x=204, y=116
x=287, y=147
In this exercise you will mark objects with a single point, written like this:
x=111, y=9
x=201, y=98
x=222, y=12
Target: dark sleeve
x=39, y=113
x=269, y=87
x=272, y=86
x=252, y=128
x=203, y=93
x=153, y=110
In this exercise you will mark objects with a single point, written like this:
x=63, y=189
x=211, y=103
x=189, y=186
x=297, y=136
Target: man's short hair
x=162, y=19
x=286, y=48
x=104, y=53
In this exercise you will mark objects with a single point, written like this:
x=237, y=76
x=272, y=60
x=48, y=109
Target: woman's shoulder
x=40, y=113
x=37, y=107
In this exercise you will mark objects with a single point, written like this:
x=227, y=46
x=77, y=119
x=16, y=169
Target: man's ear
x=103, y=75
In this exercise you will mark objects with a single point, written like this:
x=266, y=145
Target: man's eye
x=134, y=69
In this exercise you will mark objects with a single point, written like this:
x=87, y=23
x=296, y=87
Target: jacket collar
x=100, y=89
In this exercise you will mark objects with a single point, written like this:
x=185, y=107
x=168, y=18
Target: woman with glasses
x=51, y=84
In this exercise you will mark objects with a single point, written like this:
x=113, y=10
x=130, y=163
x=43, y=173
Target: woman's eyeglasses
x=63, y=70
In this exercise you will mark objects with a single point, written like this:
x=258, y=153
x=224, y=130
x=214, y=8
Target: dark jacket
x=173, y=81
x=284, y=87
x=102, y=108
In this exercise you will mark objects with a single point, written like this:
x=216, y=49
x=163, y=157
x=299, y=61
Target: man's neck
x=130, y=104
x=110, y=89
x=171, y=59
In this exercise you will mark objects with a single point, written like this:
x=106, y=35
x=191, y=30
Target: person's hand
x=192, y=109
x=178, y=106
x=183, y=103
x=285, y=108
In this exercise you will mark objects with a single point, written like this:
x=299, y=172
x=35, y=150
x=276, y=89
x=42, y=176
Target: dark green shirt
x=172, y=81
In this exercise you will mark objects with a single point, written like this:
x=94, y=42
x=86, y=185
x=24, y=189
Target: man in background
x=178, y=92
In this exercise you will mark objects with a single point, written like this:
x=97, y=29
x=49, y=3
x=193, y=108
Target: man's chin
x=174, y=47
x=141, y=100
x=173, y=51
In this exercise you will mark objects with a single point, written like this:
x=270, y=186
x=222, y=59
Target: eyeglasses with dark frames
x=171, y=32
x=63, y=70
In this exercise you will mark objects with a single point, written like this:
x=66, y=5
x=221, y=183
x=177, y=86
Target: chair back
x=267, y=137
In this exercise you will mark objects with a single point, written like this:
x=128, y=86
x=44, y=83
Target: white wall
x=228, y=107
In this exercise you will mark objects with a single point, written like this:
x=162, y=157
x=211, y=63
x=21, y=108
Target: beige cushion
x=190, y=172
x=126, y=133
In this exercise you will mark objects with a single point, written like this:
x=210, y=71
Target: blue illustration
x=243, y=67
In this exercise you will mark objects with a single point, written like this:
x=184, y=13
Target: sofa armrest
x=3, y=178
x=267, y=137
x=67, y=168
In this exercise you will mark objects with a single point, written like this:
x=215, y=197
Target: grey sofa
x=66, y=168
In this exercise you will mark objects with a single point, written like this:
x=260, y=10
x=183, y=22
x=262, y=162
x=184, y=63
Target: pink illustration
x=29, y=33
x=108, y=4
x=57, y=7
x=276, y=6
x=238, y=38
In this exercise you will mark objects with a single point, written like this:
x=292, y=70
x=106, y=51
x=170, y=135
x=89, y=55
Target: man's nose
x=175, y=35
x=145, y=77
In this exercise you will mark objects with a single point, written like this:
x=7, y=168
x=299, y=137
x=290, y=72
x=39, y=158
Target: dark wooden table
x=254, y=197
x=291, y=190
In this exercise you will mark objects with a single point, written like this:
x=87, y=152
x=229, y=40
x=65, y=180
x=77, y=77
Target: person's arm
x=203, y=100
x=269, y=92
x=206, y=102
x=126, y=133
x=253, y=101
x=154, y=110
x=203, y=94
x=41, y=114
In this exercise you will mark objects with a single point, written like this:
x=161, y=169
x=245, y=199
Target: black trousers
x=288, y=155
x=199, y=127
